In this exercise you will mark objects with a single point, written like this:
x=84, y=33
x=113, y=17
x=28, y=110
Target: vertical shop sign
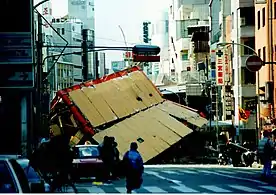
x=219, y=67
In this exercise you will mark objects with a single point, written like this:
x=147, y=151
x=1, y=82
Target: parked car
x=32, y=175
x=87, y=162
x=12, y=176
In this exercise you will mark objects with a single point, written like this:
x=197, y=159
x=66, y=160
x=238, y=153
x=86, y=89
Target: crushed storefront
x=125, y=105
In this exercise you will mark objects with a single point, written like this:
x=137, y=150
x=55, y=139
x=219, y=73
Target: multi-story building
x=70, y=30
x=183, y=17
x=160, y=37
x=244, y=82
x=102, y=65
x=85, y=11
x=265, y=43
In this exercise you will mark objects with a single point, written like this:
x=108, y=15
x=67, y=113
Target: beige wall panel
x=184, y=113
x=113, y=98
x=170, y=122
x=87, y=108
x=125, y=86
x=151, y=89
x=96, y=98
x=149, y=137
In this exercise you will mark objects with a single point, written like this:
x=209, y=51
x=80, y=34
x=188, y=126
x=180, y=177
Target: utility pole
x=85, y=54
x=39, y=71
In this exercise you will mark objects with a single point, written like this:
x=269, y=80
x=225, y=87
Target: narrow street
x=190, y=179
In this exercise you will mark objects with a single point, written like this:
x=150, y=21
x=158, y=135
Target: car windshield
x=87, y=152
x=29, y=171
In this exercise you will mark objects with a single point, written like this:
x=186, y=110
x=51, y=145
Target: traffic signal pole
x=84, y=54
x=39, y=70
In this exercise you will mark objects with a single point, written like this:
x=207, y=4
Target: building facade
x=84, y=10
x=160, y=37
x=184, y=18
x=264, y=48
x=244, y=84
x=70, y=30
x=102, y=64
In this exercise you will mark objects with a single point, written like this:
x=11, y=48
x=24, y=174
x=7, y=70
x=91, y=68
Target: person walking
x=134, y=168
x=265, y=153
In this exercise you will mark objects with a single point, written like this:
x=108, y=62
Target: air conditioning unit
x=242, y=22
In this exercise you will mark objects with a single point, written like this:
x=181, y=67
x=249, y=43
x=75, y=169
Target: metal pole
x=39, y=71
x=271, y=56
x=124, y=37
x=217, y=113
x=84, y=54
x=97, y=65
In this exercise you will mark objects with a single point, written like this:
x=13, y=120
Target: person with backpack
x=265, y=153
x=134, y=168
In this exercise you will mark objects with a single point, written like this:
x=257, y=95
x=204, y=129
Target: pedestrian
x=116, y=166
x=107, y=156
x=265, y=153
x=134, y=168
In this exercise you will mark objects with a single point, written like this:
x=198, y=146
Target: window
x=263, y=17
x=7, y=184
x=275, y=10
x=259, y=52
x=21, y=176
x=251, y=43
x=248, y=77
x=259, y=19
x=58, y=30
x=171, y=9
x=264, y=52
x=232, y=23
x=62, y=31
x=184, y=56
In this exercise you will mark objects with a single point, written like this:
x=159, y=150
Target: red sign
x=220, y=67
x=139, y=58
x=128, y=54
x=254, y=63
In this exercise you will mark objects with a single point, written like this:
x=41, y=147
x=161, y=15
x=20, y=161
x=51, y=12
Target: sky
x=109, y=14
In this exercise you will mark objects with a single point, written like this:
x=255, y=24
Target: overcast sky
x=109, y=14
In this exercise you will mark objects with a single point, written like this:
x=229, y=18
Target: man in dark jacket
x=134, y=168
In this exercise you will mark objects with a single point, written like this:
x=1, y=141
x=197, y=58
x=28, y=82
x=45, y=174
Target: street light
x=38, y=4
x=124, y=37
x=258, y=79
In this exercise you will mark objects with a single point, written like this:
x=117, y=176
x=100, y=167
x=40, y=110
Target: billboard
x=118, y=65
x=16, y=40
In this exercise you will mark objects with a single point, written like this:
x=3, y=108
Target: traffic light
x=146, y=50
x=146, y=32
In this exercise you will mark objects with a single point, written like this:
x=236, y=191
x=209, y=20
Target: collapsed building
x=125, y=105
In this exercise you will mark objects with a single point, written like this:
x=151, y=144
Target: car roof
x=92, y=145
x=10, y=156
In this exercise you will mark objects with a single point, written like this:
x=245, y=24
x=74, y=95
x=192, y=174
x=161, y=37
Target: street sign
x=254, y=63
x=16, y=48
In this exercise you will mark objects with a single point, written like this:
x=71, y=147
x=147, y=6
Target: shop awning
x=153, y=129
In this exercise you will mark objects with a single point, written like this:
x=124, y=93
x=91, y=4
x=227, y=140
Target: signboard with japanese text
x=228, y=103
x=220, y=67
x=16, y=44
x=226, y=63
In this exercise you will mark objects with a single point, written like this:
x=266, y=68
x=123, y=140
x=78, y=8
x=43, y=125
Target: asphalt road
x=190, y=179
